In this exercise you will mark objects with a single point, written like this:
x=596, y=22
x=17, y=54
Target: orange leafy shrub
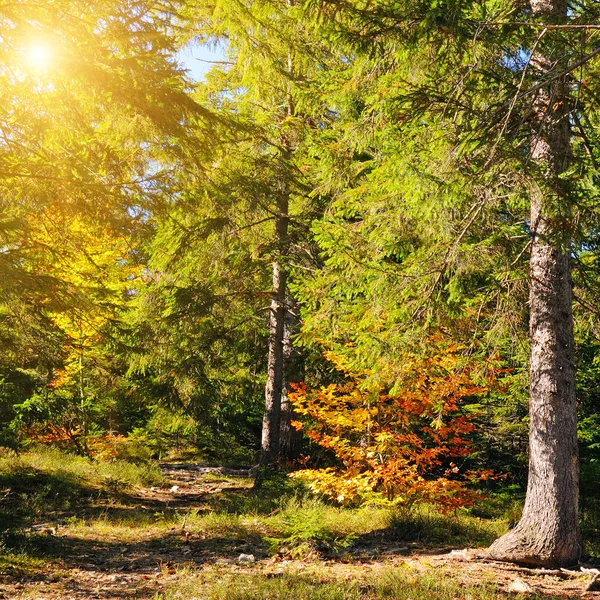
x=396, y=447
x=103, y=447
x=62, y=436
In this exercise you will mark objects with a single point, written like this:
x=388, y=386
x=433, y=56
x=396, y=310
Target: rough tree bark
x=269, y=454
x=290, y=439
x=548, y=532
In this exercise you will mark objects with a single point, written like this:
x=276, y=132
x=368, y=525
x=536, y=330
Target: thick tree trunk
x=548, y=532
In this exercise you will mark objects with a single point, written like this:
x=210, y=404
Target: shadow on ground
x=88, y=563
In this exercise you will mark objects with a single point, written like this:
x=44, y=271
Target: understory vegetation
x=57, y=507
x=61, y=511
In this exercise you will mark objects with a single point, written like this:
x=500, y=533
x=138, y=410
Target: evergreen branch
x=540, y=85
x=133, y=182
x=470, y=219
x=586, y=140
x=525, y=248
x=215, y=62
x=250, y=225
x=538, y=25
x=586, y=304
x=569, y=69
x=515, y=98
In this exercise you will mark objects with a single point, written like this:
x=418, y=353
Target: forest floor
x=169, y=541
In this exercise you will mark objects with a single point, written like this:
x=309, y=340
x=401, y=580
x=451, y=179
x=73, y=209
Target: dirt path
x=115, y=561
x=134, y=549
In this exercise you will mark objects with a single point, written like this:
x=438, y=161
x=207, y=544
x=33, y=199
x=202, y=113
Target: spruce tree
x=97, y=119
x=270, y=58
x=458, y=170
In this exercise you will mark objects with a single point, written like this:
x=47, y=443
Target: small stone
x=246, y=558
x=518, y=586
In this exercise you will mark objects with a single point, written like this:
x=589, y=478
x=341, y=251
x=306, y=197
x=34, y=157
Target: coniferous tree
x=96, y=122
x=458, y=127
x=270, y=57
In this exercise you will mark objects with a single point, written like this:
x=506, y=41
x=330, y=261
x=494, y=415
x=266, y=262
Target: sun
x=40, y=55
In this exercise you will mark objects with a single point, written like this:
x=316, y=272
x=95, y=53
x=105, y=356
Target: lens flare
x=40, y=55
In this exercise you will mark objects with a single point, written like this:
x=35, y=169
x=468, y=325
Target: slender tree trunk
x=276, y=378
x=275, y=366
x=290, y=438
x=548, y=532
x=82, y=408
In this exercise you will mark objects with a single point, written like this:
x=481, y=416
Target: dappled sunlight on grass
x=233, y=526
x=20, y=564
x=124, y=524
x=428, y=525
x=340, y=521
x=45, y=483
x=72, y=513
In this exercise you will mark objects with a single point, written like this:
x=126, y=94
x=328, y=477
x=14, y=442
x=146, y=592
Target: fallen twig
x=579, y=573
x=590, y=586
x=532, y=571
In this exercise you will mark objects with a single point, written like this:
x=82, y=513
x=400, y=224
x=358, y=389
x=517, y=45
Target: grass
x=51, y=461
x=429, y=526
x=296, y=525
x=226, y=525
x=293, y=517
x=305, y=526
x=129, y=528
x=43, y=481
x=20, y=564
x=320, y=584
x=305, y=548
x=275, y=490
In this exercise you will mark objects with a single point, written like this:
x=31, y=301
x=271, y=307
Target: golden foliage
x=396, y=448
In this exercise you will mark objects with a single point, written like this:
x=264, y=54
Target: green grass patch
x=122, y=524
x=319, y=584
x=52, y=461
x=307, y=527
x=43, y=481
x=19, y=564
x=276, y=488
x=299, y=523
x=427, y=525
x=224, y=525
